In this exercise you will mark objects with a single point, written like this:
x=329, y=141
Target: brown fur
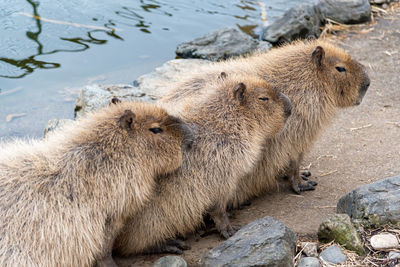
x=306, y=72
x=64, y=199
x=231, y=123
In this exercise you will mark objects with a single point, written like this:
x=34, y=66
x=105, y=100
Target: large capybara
x=231, y=124
x=64, y=199
x=317, y=76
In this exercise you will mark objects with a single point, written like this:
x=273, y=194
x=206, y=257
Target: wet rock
x=93, y=97
x=310, y=249
x=374, y=204
x=299, y=22
x=219, y=44
x=55, y=124
x=346, y=11
x=333, y=255
x=155, y=82
x=339, y=228
x=308, y=262
x=264, y=242
x=394, y=255
x=384, y=241
x=170, y=261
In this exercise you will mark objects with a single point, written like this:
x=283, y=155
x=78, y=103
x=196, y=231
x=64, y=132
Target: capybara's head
x=346, y=79
x=143, y=132
x=261, y=103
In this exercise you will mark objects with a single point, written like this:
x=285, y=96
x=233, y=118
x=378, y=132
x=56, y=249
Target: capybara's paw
x=173, y=246
x=106, y=262
x=229, y=230
x=307, y=185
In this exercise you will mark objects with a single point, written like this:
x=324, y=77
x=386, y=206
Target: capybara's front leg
x=105, y=259
x=222, y=222
x=299, y=181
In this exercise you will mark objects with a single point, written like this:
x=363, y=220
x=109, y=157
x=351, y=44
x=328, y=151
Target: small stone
x=301, y=21
x=333, y=255
x=385, y=6
x=308, y=262
x=384, y=241
x=264, y=242
x=219, y=44
x=339, y=228
x=346, y=11
x=310, y=249
x=170, y=261
x=375, y=204
x=394, y=255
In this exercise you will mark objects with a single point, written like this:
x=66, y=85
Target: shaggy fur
x=64, y=199
x=317, y=76
x=231, y=123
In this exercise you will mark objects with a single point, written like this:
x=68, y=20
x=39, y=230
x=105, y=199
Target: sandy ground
x=361, y=146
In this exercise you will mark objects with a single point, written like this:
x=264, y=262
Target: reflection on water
x=126, y=39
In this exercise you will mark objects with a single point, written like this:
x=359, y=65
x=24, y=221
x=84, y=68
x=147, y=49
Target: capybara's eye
x=340, y=69
x=156, y=130
x=264, y=98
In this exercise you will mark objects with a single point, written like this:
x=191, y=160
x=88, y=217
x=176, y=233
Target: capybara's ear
x=115, y=100
x=318, y=56
x=127, y=119
x=239, y=92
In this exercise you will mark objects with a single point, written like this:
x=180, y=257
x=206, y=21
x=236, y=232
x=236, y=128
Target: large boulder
x=339, y=228
x=219, y=44
x=155, y=82
x=264, y=242
x=374, y=204
x=346, y=11
x=301, y=21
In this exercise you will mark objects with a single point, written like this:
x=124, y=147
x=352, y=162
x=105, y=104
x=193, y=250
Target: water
x=51, y=48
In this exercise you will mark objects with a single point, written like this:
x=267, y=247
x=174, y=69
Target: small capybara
x=317, y=76
x=231, y=124
x=64, y=199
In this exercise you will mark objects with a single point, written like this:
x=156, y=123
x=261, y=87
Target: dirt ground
x=361, y=146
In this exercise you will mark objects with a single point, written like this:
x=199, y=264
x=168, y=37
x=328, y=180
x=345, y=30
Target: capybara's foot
x=229, y=231
x=304, y=186
x=173, y=246
x=106, y=262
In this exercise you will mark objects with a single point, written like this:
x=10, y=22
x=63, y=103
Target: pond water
x=49, y=49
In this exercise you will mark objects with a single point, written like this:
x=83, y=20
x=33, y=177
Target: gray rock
x=374, y=204
x=299, y=22
x=346, y=11
x=380, y=1
x=264, y=242
x=55, y=124
x=155, y=82
x=308, y=262
x=93, y=97
x=333, y=255
x=310, y=249
x=170, y=261
x=394, y=255
x=338, y=227
x=384, y=241
x=219, y=44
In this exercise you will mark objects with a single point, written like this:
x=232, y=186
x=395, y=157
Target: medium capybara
x=231, y=124
x=64, y=199
x=317, y=76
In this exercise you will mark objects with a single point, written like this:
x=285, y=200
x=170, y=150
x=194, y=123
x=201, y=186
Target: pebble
x=310, y=249
x=309, y=262
x=333, y=255
x=384, y=241
x=170, y=261
x=394, y=255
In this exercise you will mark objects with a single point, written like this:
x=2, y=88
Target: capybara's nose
x=287, y=105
